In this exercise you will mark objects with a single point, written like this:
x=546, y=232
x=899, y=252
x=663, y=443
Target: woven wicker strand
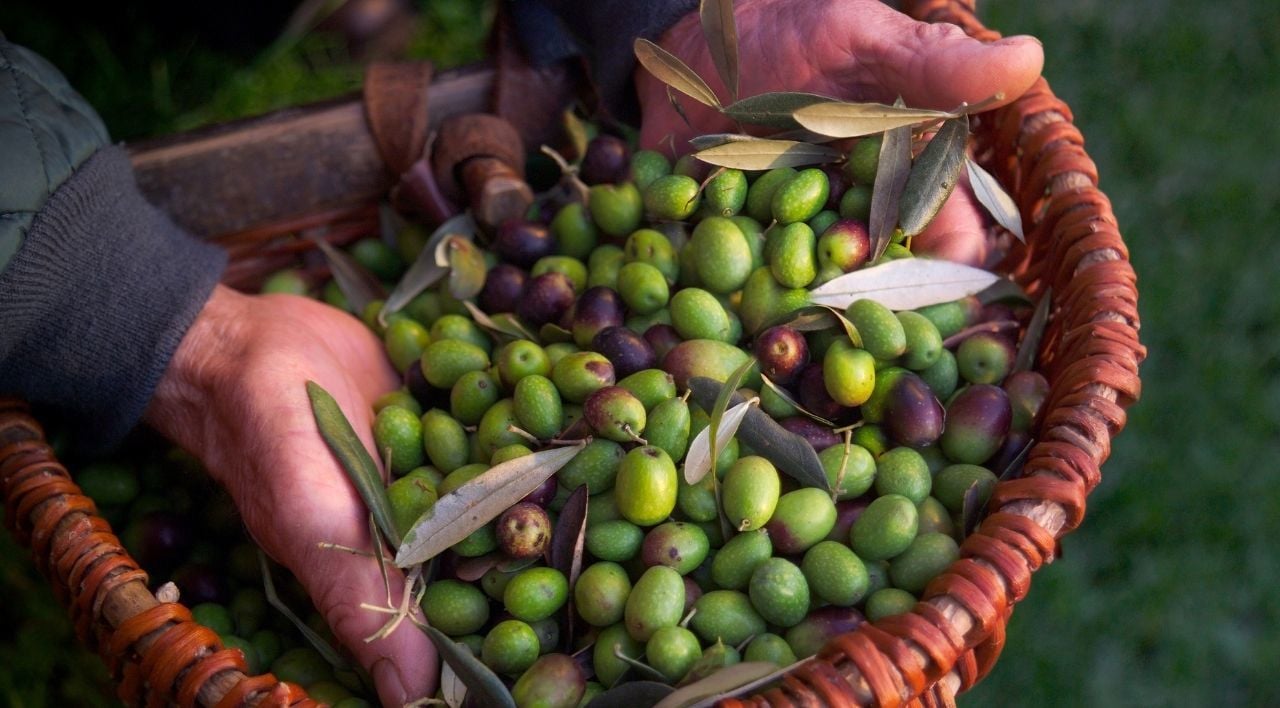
x=1090, y=354
x=157, y=654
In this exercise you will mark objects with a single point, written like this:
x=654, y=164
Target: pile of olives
x=662, y=275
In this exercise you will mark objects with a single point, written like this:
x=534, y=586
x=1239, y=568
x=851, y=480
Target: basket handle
x=156, y=653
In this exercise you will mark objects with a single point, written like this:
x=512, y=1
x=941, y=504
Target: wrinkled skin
x=234, y=393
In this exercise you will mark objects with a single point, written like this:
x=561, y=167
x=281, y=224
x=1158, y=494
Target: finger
x=936, y=65
x=402, y=664
x=957, y=232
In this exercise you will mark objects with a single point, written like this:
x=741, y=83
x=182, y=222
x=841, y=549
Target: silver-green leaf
x=991, y=195
x=479, y=501
x=667, y=68
x=355, y=459
x=722, y=682
x=840, y=119
x=933, y=176
x=479, y=679
x=892, y=170
x=765, y=154
x=905, y=284
x=721, y=34
x=356, y=283
x=425, y=271
x=698, y=461
x=772, y=110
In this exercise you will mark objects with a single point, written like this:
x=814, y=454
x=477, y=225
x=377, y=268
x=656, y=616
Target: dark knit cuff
x=97, y=299
x=606, y=29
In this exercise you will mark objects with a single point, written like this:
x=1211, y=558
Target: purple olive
x=200, y=582
x=912, y=414
x=819, y=436
x=663, y=338
x=597, y=308
x=503, y=285
x=978, y=420
x=546, y=298
x=608, y=160
x=626, y=350
x=523, y=242
x=543, y=495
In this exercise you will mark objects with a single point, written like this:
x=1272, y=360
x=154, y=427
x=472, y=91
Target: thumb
x=403, y=664
x=937, y=65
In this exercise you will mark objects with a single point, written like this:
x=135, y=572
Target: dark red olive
x=663, y=338
x=543, y=495
x=626, y=350
x=978, y=419
x=503, y=285
x=158, y=540
x=200, y=582
x=845, y=244
x=819, y=436
x=783, y=353
x=523, y=242
x=524, y=530
x=546, y=298
x=811, y=391
x=608, y=160
x=912, y=414
x=596, y=309
x=427, y=395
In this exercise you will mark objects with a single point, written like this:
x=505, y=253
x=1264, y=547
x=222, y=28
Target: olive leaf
x=567, y=542
x=702, y=142
x=905, y=284
x=993, y=326
x=355, y=459
x=790, y=453
x=764, y=154
x=722, y=40
x=972, y=509
x=576, y=130
x=698, y=461
x=634, y=694
x=991, y=195
x=316, y=641
x=774, y=109
x=719, y=684
x=639, y=667
x=1029, y=347
x=749, y=685
x=507, y=328
x=479, y=679
x=892, y=170
x=933, y=176
x=552, y=333
x=356, y=283
x=668, y=69
x=470, y=570
x=786, y=397
x=1003, y=290
x=1013, y=470
x=425, y=272
x=716, y=439
x=457, y=514
x=452, y=689
x=841, y=119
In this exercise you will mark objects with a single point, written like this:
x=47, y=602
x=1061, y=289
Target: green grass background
x=1168, y=593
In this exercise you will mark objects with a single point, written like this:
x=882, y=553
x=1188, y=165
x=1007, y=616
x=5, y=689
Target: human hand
x=234, y=394
x=857, y=50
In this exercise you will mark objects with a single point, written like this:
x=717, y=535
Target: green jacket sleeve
x=97, y=287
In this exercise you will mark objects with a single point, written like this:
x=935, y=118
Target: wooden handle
x=236, y=176
x=480, y=157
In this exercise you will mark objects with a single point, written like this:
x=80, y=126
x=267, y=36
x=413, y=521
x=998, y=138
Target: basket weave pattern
x=1090, y=354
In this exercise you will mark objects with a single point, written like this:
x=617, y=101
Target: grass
x=1166, y=595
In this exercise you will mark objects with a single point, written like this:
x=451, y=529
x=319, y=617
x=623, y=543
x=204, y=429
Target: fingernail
x=1019, y=39
x=389, y=682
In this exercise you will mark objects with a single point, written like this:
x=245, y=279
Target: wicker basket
x=1090, y=354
